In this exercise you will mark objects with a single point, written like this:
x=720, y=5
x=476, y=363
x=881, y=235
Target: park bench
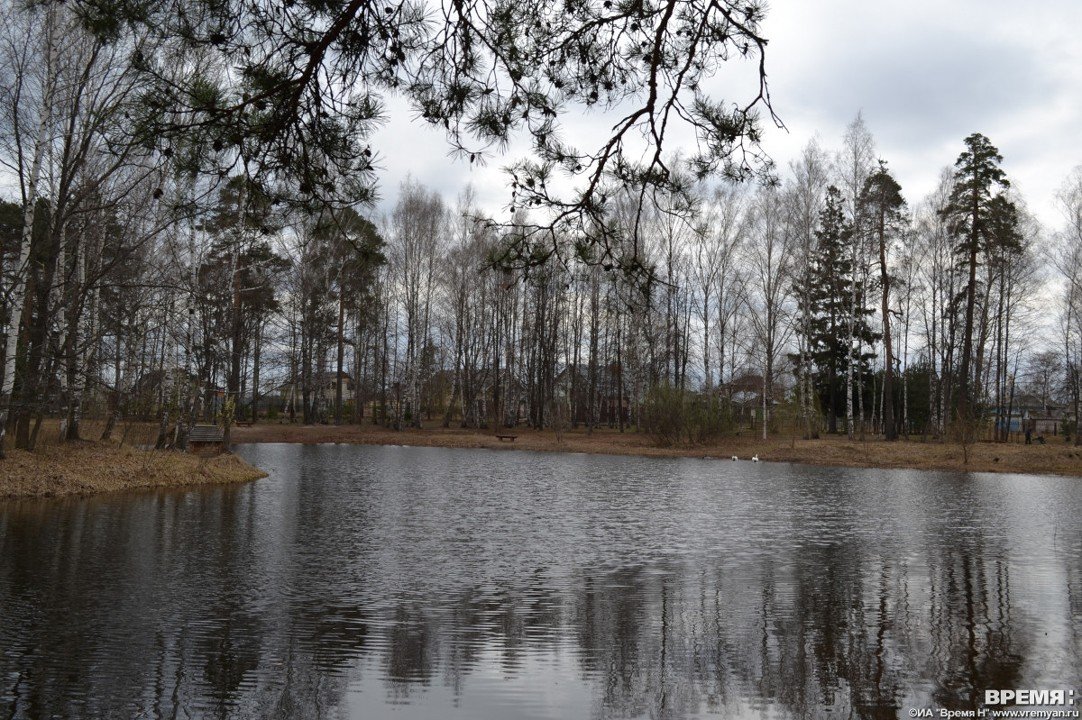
x=503, y=437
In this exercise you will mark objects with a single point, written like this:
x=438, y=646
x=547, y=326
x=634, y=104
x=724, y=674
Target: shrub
x=1068, y=428
x=786, y=418
x=674, y=416
x=663, y=414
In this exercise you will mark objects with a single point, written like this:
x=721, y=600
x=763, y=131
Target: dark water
x=368, y=582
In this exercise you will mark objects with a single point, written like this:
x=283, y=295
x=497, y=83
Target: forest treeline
x=135, y=287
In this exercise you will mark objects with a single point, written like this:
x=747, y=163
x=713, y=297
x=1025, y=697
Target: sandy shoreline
x=1056, y=457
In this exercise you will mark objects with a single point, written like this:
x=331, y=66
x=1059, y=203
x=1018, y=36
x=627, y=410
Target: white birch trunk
x=18, y=289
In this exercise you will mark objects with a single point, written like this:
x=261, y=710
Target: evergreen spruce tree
x=832, y=283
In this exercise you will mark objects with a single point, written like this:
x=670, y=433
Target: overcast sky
x=925, y=74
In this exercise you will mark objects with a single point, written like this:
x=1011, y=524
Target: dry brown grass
x=84, y=468
x=1054, y=458
x=57, y=469
x=126, y=432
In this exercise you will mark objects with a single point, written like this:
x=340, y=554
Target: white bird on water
x=735, y=457
x=755, y=458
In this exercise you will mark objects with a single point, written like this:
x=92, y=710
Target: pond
x=370, y=582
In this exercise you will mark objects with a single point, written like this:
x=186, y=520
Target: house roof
x=748, y=382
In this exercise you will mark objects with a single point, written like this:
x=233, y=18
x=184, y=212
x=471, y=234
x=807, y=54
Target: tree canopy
x=292, y=89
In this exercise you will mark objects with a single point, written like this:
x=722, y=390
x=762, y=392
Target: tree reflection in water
x=341, y=593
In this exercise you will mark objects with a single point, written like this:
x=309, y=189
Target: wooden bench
x=204, y=438
x=506, y=437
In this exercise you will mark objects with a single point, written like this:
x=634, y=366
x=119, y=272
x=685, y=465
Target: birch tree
x=1069, y=265
x=18, y=88
x=855, y=164
x=804, y=203
x=769, y=259
x=416, y=231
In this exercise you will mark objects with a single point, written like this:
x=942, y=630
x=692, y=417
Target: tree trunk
x=890, y=432
x=16, y=295
x=114, y=404
x=341, y=357
x=255, y=370
x=964, y=391
x=852, y=355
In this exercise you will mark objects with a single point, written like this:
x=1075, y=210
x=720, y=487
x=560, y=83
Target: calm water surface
x=371, y=582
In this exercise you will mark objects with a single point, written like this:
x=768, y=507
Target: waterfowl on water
x=735, y=457
x=755, y=458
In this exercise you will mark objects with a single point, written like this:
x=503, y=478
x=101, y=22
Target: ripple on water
x=420, y=582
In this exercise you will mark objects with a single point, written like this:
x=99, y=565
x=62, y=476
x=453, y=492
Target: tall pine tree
x=883, y=209
x=970, y=211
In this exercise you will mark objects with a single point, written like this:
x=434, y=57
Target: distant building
x=745, y=394
x=292, y=392
x=1047, y=418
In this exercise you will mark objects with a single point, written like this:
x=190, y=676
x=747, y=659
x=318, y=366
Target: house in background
x=291, y=392
x=745, y=393
x=1047, y=418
